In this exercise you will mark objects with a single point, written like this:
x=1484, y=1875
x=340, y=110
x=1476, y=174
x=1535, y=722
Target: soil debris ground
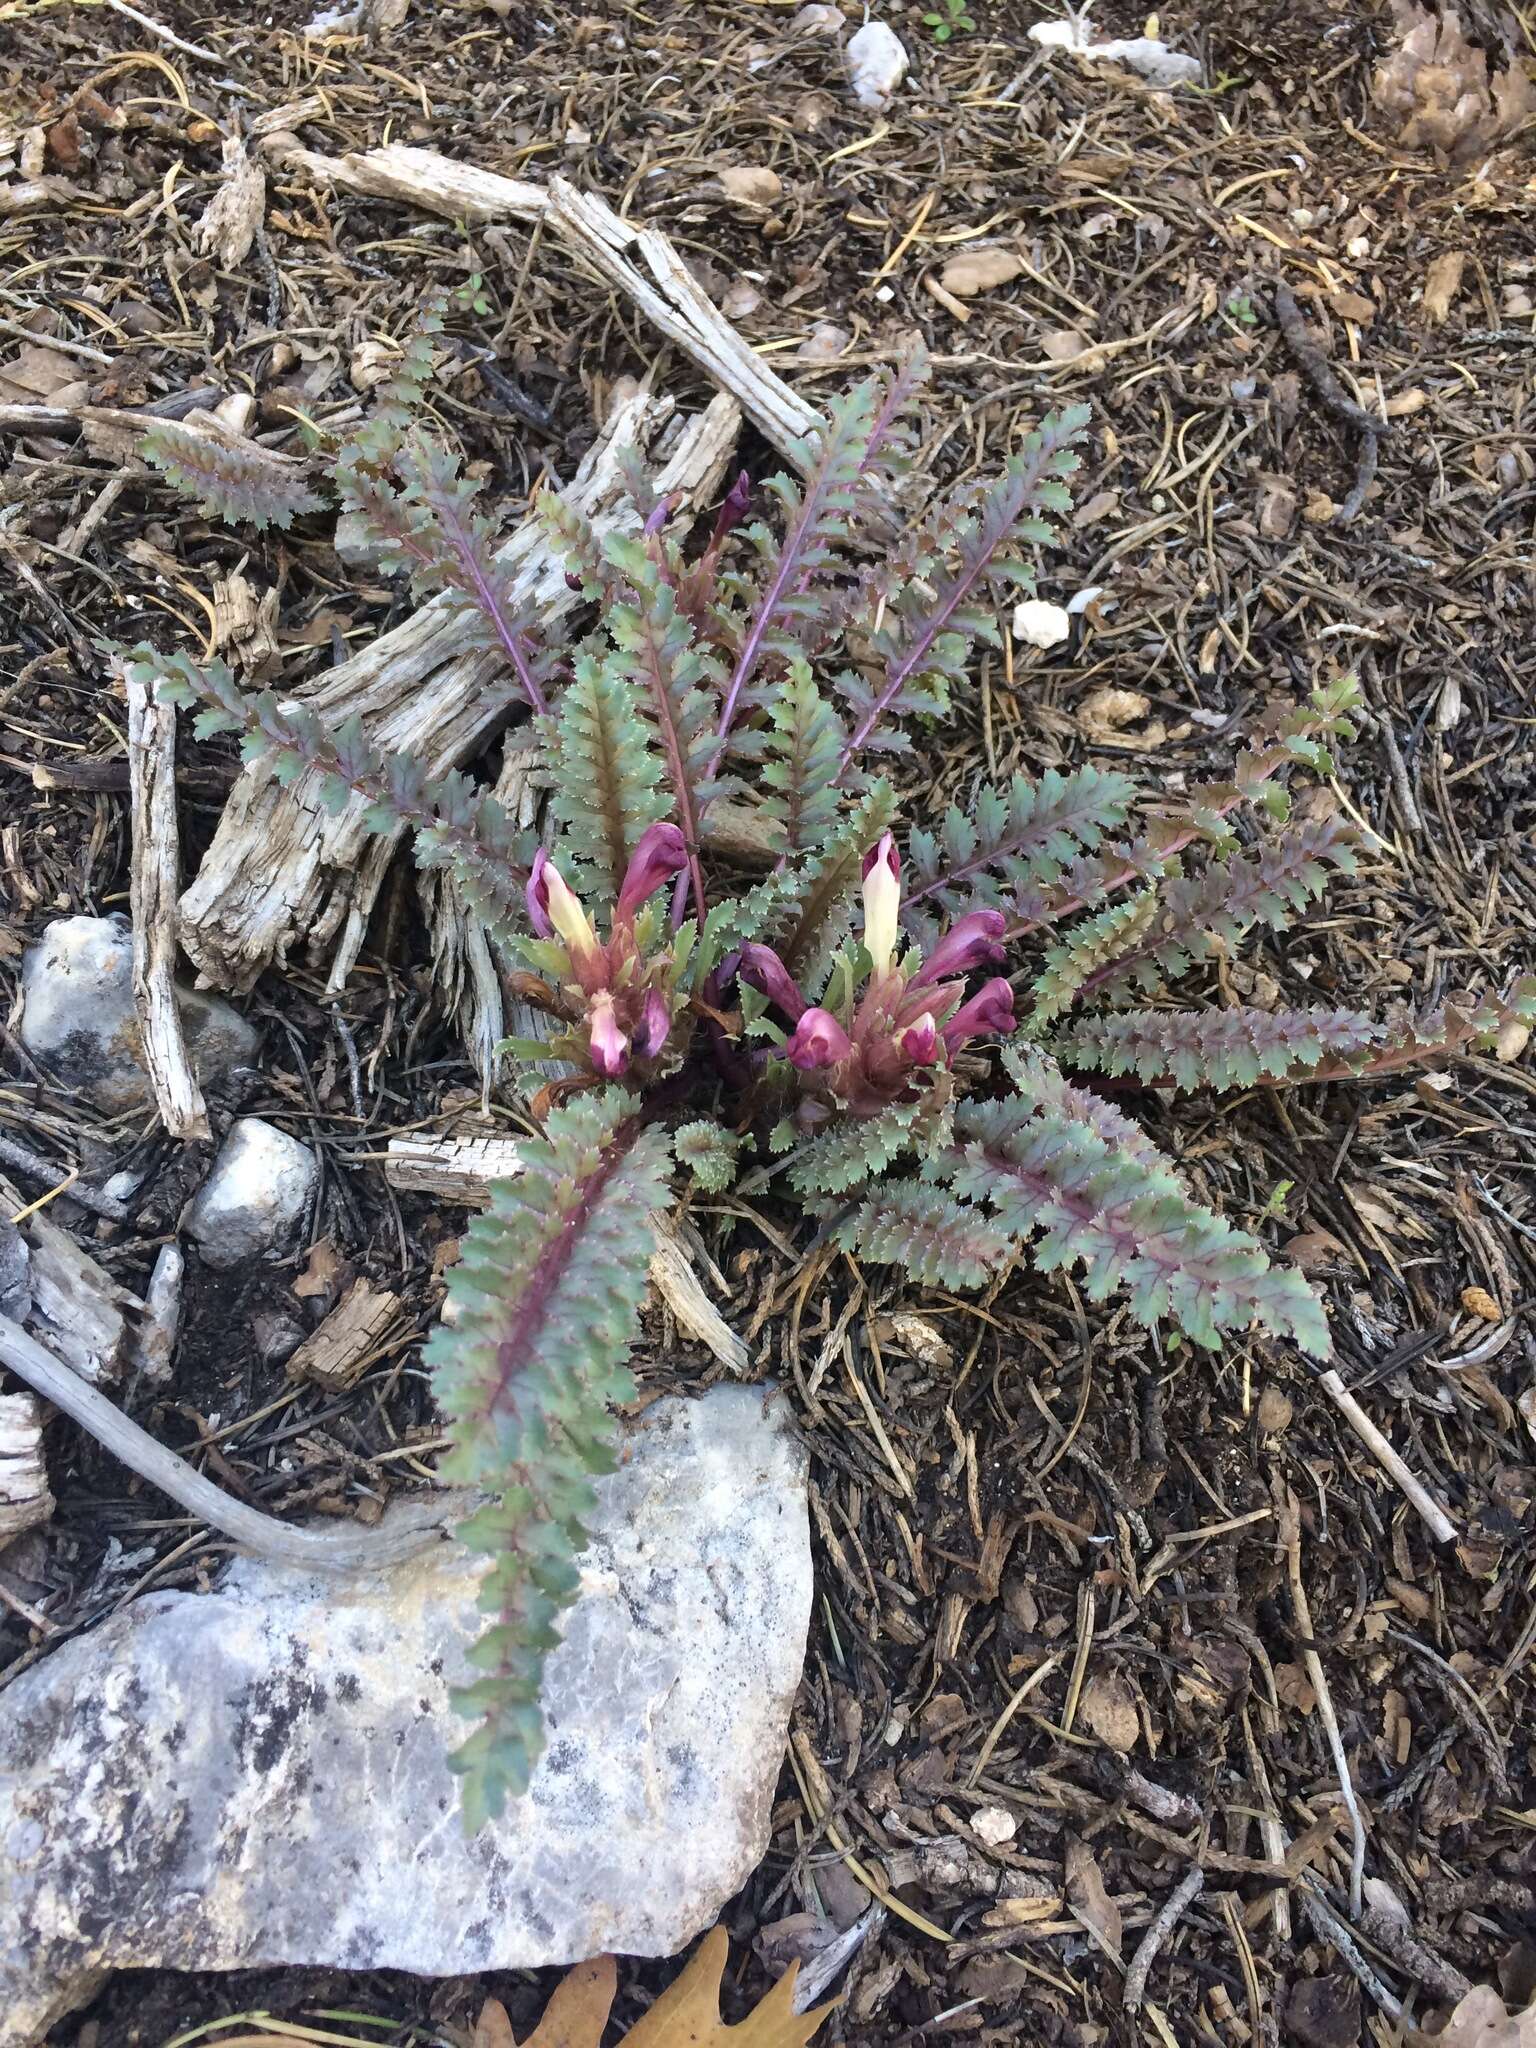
x=1058, y=1633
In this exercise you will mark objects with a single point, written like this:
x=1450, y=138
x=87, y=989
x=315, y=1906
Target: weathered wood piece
x=280, y=865
x=641, y=262
x=78, y=1311
x=25, y=1499
x=335, y=1355
x=154, y=878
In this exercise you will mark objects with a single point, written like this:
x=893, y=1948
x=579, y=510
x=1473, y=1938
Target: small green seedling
x=953, y=19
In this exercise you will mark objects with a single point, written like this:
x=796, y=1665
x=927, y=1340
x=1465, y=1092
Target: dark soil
x=1050, y=1577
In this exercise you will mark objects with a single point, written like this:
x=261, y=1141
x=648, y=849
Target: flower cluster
x=911, y=1015
x=625, y=993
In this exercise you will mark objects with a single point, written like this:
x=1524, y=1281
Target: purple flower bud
x=660, y=852
x=818, y=1041
x=657, y=517
x=574, y=582
x=538, y=897
x=968, y=942
x=763, y=968
x=733, y=508
x=989, y=1014
x=920, y=1041
x=655, y=1023
x=884, y=849
x=609, y=1046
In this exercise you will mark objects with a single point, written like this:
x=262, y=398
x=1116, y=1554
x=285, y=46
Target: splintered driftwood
x=641, y=262
x=462, y=1170
x=24, y=1496
x=154, y=878
x=280, y=865
x=336, y=1354
x=73, y=1306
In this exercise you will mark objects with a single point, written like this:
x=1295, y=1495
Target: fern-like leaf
x=1223, y=904
x=709, y=1152
x=456, y=824
x=1057, y=1184
x=1410, y=1039
x=850, y=459
x=1087, y=948
x=605, y=772
x=237, y=481
x=924, y=644
x=674, y=682
x=800, y=769
x=1299, y=735
x=854, y=1151
x=1234, y=1048
x=548, y=1290
x=1039, y=1084
x=431, y=526
x=1018, y=836
x=935, y=1240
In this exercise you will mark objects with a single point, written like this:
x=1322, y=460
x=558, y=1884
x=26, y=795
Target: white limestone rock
x=258, y=1775
x=877, y=63
x=78, y=1018
x=254, y=1200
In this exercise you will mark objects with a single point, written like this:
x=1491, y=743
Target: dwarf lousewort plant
x=920, y=1078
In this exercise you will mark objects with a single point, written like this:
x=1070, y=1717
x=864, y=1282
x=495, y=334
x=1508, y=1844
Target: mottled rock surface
x=258, y=1776
x=254, y=1200
x=79, y=1021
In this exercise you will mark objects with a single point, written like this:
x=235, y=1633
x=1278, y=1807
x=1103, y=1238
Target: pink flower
x=538, y=897
x=660, y=853
x=763, y=968
x=655, y=1023
x=920, y=1041
x=818, y=1041
x=989, y=1013
x=609, y=1046
x=551, y=899
x=882, y=901
x=968, y=942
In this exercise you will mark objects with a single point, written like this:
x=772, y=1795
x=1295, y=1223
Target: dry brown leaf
x=1275, y=1411
x=980, y=270
x=1315, y=1250
x=39, y=375
x=1087, y=1900
x=1293, y=1688
x=741, y=298
x=1353, y=306
x=1108, y=1707
x=1277, y=506
x=1070, y=345
x=1512, y=1041
x=493, y=2029
x=1442, y=281
x=750, y=185
x=322, y=1270
x=1482, y=2020
x=687, y=2014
